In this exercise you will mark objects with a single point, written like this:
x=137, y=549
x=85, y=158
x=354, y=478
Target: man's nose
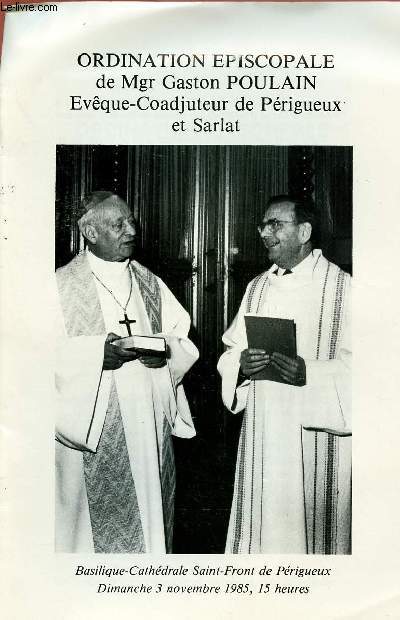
x=130, y=228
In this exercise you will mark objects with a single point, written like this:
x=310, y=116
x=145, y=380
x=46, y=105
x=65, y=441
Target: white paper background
x=39, y=72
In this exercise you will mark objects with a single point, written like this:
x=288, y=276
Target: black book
x=144, y=345
x=274, y=336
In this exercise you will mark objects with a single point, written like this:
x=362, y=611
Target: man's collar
x=98, y=265
x=302, y=268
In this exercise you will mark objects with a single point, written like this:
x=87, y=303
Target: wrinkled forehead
x=113, y=208
x=280, y=211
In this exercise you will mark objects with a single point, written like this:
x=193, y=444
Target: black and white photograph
x=182, y=247
x=198, y=308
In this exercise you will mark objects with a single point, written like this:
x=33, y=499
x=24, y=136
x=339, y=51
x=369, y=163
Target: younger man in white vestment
x=292, y=489
x=115, y=476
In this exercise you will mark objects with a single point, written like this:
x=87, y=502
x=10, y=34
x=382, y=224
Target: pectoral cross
x=127, y=322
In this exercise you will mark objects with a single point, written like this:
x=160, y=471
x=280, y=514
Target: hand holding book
x=272, y=353
x=152, y=361
x=253, y=361
x=115, y=357
x=292, y=370
x=151, y=351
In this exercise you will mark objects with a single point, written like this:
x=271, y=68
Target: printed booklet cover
x=199, y=143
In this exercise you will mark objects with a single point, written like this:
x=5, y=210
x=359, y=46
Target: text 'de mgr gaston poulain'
x=205, y=93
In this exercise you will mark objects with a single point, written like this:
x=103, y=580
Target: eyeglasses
x=274, y=224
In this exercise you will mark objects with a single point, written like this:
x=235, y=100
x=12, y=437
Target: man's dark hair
x=304, y=210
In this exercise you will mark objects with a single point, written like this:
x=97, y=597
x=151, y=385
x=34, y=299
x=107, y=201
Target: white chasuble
x=150, y=401
x=293, y=474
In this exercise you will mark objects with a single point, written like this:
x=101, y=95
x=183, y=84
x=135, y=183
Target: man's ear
x=305, y=230
x=89, y=231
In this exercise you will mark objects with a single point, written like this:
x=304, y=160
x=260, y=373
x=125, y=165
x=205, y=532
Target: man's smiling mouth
x=270, y=244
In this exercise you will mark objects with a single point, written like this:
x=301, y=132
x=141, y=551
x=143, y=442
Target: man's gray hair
x=92, y=207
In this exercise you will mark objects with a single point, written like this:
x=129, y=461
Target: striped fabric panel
x=257, y=462
x=327, y=491
x=247, y=514
x=150, y=291
x=337, y=318
x=256, y=438
x=248, y=480
x=113, y=506
x=322, y=313
x=239, y=490
x=168, y=484
x=79, y=300
x=330, y=495
x=252, y=291
x=326, y=455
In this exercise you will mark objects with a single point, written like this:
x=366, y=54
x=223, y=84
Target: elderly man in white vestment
x=115, y=474
x=292, y=490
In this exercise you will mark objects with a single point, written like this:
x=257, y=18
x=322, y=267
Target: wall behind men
x=198, y=208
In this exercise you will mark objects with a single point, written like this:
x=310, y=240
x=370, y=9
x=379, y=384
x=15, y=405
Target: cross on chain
x=127, y=322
